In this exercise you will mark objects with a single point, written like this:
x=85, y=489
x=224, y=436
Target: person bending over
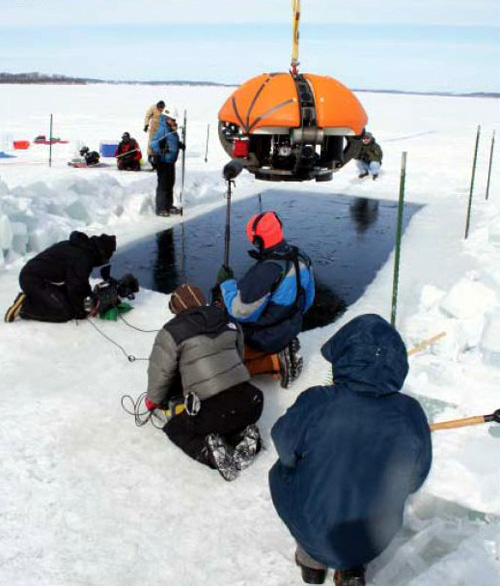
x=55, y=282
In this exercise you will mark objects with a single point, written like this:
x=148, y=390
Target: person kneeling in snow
x=55, y=282
x=270, y=300
x=197, y=356
x=128, y=154
x=350, y=454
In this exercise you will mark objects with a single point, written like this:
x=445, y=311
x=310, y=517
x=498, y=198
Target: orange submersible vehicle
x=292, y=126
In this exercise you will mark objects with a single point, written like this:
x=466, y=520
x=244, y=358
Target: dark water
x=348, y=240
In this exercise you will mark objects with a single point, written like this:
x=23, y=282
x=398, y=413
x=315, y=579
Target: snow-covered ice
x=88, y=499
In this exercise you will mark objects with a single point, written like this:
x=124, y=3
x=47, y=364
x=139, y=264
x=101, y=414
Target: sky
x=443, y=45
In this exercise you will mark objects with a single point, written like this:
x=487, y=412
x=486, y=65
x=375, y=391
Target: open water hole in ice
x=348, y=240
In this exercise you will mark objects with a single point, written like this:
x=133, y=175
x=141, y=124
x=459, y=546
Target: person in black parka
x=350, y=454
x=55, y=282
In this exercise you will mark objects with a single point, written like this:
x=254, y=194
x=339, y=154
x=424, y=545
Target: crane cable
x=295, y=46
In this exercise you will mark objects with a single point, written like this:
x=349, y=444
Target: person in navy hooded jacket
x=350, y=454
x=270, y=300
x=165, y=145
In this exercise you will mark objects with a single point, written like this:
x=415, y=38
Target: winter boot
x=174, y=210
x=15, y=308
x=353, y=577
x=221, y=456
x=364, y=174
x=311, y=575
x=375, y=175
x=296, y=358
x=285, y=367
x=249, y=446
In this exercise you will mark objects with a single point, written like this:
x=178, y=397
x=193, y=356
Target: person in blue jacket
x=165, y=145
x=350, y=454
x=271, y=299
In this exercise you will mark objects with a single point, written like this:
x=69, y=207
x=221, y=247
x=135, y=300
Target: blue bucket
x=108, y=149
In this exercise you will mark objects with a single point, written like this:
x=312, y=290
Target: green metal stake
x=206, y=147
x=489, y=168
x=398, y=239
x=50, y=142
x=467, y=224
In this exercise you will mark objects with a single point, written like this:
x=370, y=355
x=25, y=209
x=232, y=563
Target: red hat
x=265, y=230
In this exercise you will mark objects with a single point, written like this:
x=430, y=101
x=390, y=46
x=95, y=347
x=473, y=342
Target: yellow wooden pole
x=295, y=42
x=457, y=423
x=495, y=416
x=426, y=343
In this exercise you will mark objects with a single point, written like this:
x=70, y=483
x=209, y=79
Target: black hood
x=100, y=247
x=206, y=321
x=209, y=318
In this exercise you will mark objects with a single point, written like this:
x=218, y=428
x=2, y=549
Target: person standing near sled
x=350, y=453
x=197, y=356
x=165, y=146
x=270, y=300
x=55, y=282
x=128, y=154
x=369, y=157
x=151, y=123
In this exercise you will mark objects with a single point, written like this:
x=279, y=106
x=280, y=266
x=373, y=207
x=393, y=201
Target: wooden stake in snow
x=425, y=343
x=467, y=421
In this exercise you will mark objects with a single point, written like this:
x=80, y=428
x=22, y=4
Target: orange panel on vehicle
x=336, y=105
x=265, y=100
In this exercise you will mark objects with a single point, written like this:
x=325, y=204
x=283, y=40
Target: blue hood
x=368, y=355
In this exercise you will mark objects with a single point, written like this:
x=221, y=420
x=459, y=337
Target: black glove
x=224, y=274
x=182, y=146
x=216, y=297
x=146, y=128
x=162, y=145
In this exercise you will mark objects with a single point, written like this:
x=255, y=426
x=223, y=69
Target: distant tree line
x=35, y=77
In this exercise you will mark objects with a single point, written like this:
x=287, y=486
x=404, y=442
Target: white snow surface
x=87, y=498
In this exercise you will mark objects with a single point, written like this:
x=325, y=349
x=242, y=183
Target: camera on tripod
x=109, y=293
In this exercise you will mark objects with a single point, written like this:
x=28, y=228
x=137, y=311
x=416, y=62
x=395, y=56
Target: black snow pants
x=227, y=414
x=165, y=186
x=45, y=301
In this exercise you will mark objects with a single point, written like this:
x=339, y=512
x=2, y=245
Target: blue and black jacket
x=165, y=143
x=350, y=453
x=270, y=300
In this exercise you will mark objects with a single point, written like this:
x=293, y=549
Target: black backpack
x=92, y=158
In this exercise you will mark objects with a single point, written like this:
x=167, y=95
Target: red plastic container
x=21, y=144
x=241, y=147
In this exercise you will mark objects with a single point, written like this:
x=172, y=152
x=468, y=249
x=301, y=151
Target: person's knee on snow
x=203, y=349
x=55, y=282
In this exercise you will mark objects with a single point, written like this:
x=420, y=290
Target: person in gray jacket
x=198, y=356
